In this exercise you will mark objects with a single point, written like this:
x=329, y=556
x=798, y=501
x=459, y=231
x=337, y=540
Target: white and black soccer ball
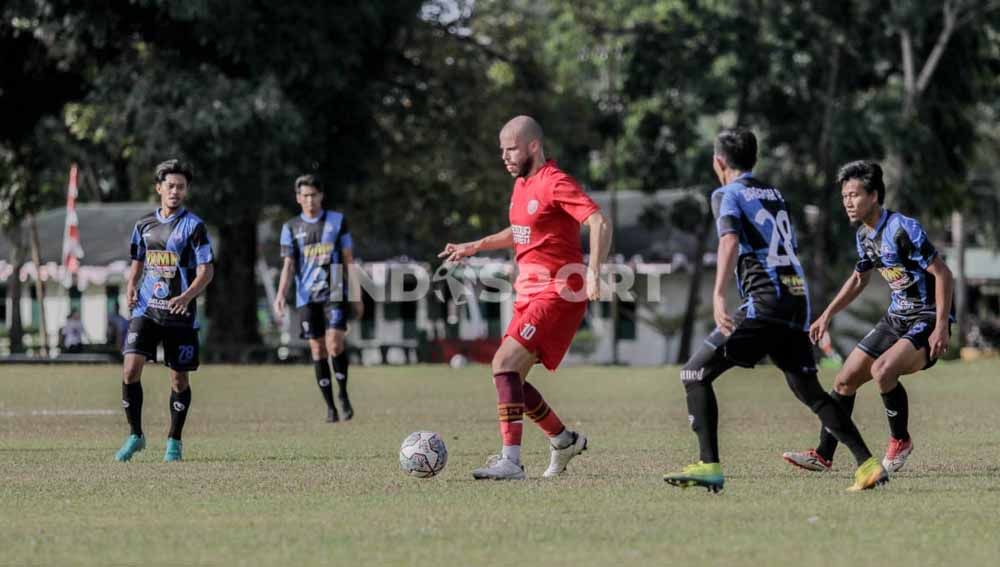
x=423, y=454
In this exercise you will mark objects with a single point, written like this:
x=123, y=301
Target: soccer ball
x=458, y=361
x=423, y=454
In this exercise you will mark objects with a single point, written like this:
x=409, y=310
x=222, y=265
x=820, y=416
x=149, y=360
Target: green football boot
x=173, y=452
x=131, y=446
x=708, y=475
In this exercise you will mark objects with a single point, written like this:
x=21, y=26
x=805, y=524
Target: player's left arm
x=725, y=209
x=729, y=246
x=600, y=244
x=203, y=276
x=203, y=273
x=943, y=289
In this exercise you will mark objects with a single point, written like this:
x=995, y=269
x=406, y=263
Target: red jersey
x=546, y=210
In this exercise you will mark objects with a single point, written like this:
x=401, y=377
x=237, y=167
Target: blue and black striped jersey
x=899, y=249
x=170, y=249
x=769, y=276
x=316, y=245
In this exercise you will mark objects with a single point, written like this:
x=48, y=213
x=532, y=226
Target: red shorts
x=545, y=325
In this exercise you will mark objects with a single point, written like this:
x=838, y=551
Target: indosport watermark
x=489, y=282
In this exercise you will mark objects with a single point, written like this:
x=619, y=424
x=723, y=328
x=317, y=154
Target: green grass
x=266, y=482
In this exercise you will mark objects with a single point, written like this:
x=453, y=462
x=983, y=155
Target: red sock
x=540, y=412
x=510, y=407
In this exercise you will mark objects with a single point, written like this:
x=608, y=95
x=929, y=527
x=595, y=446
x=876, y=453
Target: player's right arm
x=455, y=252
x=132, y=289
x=286, y=275
x=288, y=267
x=851, y=289
x=137, y=252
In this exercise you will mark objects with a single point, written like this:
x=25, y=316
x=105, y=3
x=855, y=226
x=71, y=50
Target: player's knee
x=179, y=381
x=884, y=375
x=335, y=346
x=318, y=351
x=132, y=369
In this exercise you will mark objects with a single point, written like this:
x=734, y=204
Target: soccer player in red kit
x=547, y=209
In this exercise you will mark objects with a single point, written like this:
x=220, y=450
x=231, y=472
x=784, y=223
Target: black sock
x=132, y=402
x=806, y=387
x=180, y=402
x=340, y=364
x=827, y=442
x=323, y=380
x=897, y=409
x=703, y=413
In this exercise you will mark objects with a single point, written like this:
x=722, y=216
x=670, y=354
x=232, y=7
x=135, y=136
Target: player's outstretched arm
x=943, y=289
x=132, y=288
x=455, y=252
x=203, y=276
x=729, y=245
x=851, y=289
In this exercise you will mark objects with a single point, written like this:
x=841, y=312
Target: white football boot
x=499, y=468
x=559, y=458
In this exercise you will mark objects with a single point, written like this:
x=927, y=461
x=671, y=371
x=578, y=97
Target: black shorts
x=180, y=344
x=891, y=328
x=751, y=340
x=316, y=318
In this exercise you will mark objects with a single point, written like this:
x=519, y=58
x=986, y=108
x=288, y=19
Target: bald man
x=547, y=209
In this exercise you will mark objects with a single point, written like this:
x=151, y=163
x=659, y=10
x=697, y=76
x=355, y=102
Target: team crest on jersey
x=161, y=290
x=532, y=206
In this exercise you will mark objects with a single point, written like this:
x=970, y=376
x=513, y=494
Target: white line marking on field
x=59, y=413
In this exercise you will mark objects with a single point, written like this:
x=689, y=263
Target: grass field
x=266, y=482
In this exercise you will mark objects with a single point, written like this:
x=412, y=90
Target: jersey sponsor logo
x=159, y=304
x=319, y=251
x=162, y=262
x=522, y=234
x=897, y=277
x=532, y=206
x=528, y=331
x=161, y=290
x=796, y=285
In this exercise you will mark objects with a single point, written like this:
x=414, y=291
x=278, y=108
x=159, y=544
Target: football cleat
x=707, y=475
x=869, y=475
x=559, y=458
x=173, y=452
x=345, y=406
x=499, y=468
x=896, y=454
x=131, y=446
x=809, y=460
x=331, y=415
